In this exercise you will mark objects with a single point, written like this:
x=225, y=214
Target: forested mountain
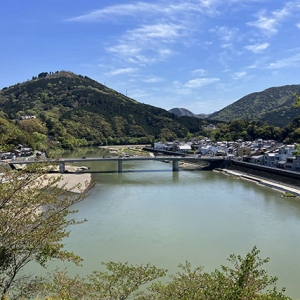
x=75, y=110
x=180, y=112
x=273, y=106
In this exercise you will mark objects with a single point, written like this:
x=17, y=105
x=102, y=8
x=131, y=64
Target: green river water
x=150, y=214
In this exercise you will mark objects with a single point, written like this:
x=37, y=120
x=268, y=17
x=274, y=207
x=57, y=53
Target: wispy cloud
x=225, y=33
x=199, y=72
x=143, y=9
x=199, y=82
x=163, y=31
x=269, y=22
x=239, y=75
x=122, y=71
x=152, y=79
x=147, y=44
x=105, y=14
x=257, y=48
x=293, y=61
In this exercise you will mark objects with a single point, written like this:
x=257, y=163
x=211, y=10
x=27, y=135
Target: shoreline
x=280, y=187
x=73, y=182
x=275, y=185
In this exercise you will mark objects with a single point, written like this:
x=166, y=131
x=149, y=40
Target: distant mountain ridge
x=75, y=110
x=273, y=106
x=180, y=112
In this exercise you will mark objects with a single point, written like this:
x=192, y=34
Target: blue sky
x=198, y=54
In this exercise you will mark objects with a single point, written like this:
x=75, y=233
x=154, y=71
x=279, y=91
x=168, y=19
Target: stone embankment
x=283, y=181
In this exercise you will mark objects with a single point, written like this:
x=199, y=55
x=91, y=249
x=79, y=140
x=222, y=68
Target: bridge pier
x=120, y=166
x=175, y=165
x=62, y=167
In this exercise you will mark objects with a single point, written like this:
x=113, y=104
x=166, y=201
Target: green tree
x=247, y=280
x=297, y=100
x=118, y=281
x=34, y=219
x=296, y=132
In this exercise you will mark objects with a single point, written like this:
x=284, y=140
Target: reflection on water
x=166, y=217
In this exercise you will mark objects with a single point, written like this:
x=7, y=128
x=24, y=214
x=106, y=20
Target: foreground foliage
x=245, y=280
x=33, y=223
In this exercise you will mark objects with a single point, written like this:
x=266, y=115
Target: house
x=26, y=151
x=296, y=164
x=208, y=150
x=283, y=153
x=243, y=151
x=269, y=159
x=160, y=146
x=289, y=163
x=185, y=148
x=257, y=159
x=292, y=164
x=27, y=117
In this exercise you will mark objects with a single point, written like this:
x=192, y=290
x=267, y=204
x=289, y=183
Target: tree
x=33, y=223
x=297, y=100
x=297, y=146
x=245, y=281
x=119, y=281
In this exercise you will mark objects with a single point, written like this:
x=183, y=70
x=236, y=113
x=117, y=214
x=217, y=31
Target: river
x=150, y=214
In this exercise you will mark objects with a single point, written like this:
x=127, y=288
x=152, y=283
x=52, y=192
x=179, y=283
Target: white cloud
x=239, y=75
x=269, y=23
x=147, y=44
x=152, y=79
x=257, y=48
x=143, y=9
x=165, y=32
x=199, y=82
x=117, y=10
x=200, y=72
x=226, y=34
x=293, y=61
x=122, y=71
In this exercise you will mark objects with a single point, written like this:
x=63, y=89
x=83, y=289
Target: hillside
x=273, y=106
x=75, y=110
x=180, y=112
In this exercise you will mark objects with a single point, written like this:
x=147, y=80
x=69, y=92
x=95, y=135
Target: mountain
x=185, y=112
x=273, y=106
x=75, y=110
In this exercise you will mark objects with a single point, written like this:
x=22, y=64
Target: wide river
x=150, y=214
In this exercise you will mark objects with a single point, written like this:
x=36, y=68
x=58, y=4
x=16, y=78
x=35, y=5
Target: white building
x=184, y=148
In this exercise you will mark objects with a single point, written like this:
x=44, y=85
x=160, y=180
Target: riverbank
x=283, y=188
x=123, y=150
x=73, y=182
x=292, y=189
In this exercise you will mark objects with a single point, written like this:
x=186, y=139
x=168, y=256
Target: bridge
x=62, y=162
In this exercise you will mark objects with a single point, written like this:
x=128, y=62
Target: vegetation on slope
x=72, y=111
x=273, y=106
x=78, y=111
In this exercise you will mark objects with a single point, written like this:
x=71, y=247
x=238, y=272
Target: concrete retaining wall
x=284, y=176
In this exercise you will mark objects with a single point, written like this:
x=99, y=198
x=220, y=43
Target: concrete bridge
x=62, y=162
